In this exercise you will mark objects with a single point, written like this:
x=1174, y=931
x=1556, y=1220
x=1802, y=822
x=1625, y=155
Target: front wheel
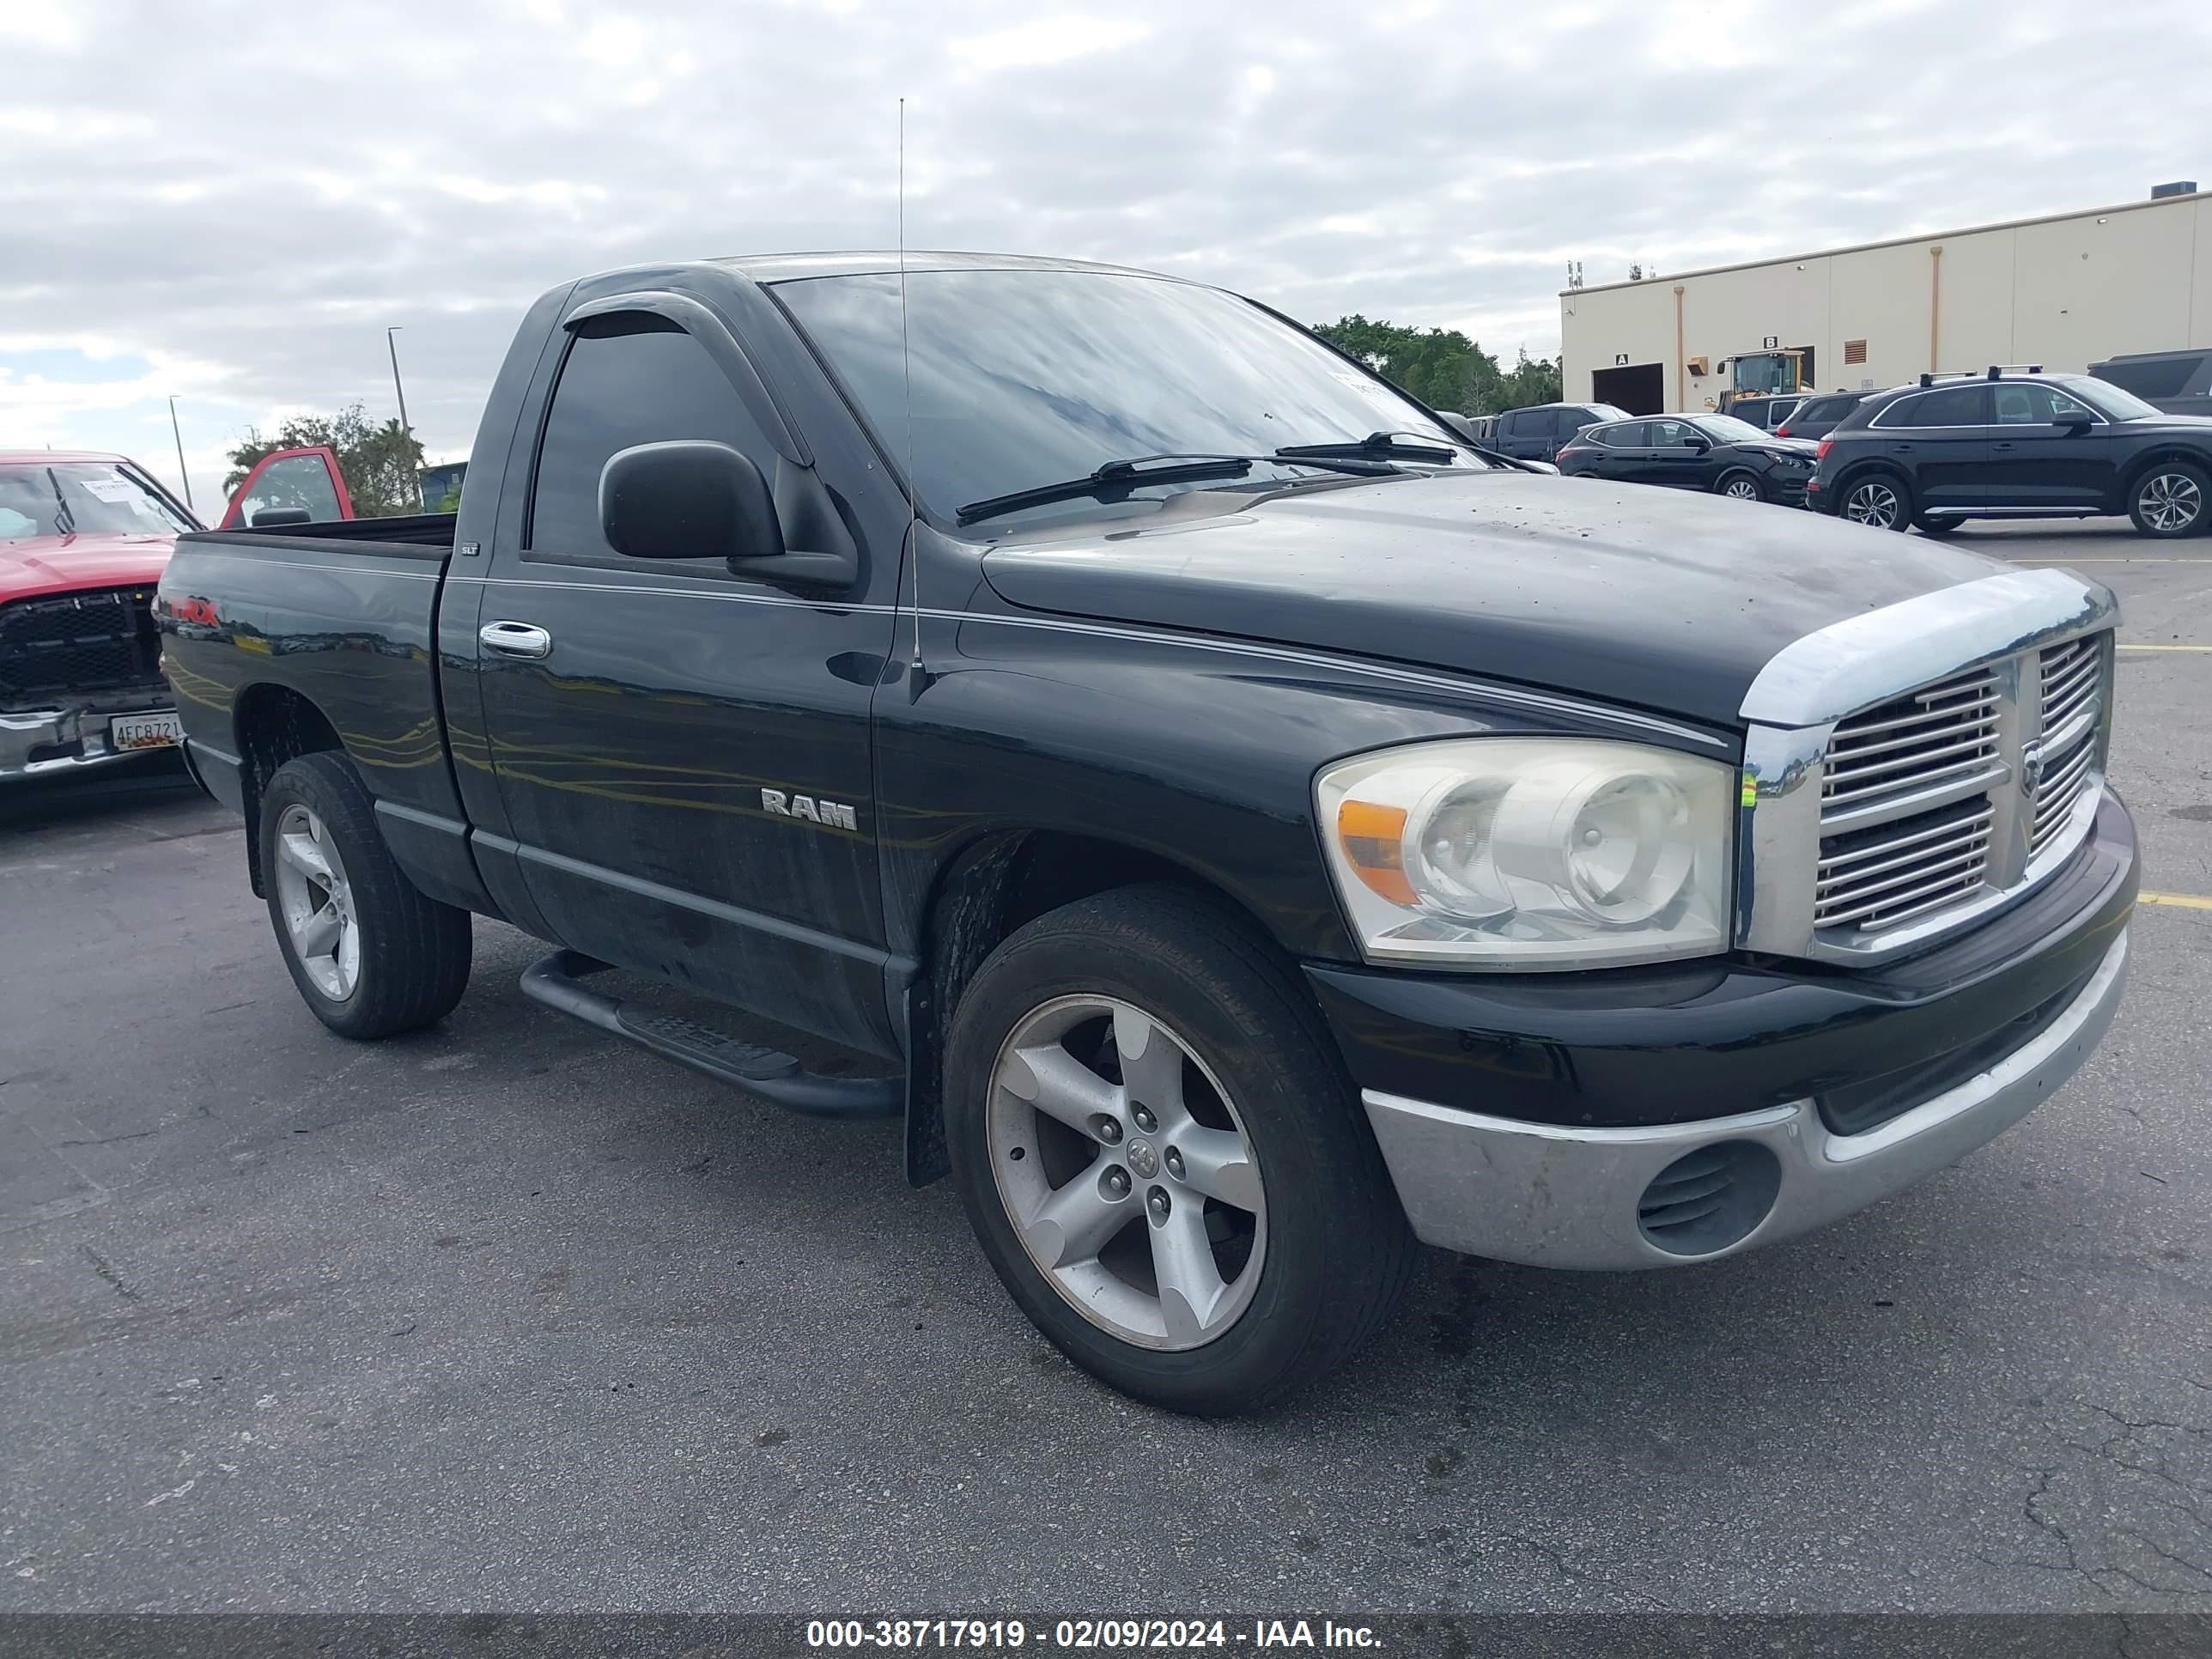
x=1878, y=502
x=371, y=955
x=1740, y=487
x=2168, y=501
x=1162, y=1157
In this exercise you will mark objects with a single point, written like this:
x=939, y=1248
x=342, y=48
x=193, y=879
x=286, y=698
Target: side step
x=556, y=980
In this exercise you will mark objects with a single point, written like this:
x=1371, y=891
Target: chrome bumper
x=80, y=726
x=1555, y=1196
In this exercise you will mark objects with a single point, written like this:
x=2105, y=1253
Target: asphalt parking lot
x=505, y=1315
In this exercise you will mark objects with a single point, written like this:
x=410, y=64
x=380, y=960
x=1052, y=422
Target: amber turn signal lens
x=1373, y=839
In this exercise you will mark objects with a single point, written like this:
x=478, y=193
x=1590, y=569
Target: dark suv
x=1820, y=414
x=2016, y=444
x=1534, y=433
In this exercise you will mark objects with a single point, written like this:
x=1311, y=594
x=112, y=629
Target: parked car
x=2173, y=382
x=83, y=536
x=2016, y=445
x=1715, y=453
x=1767, y=414
x=1536, y=432
x=1818, y=415
x=1256, y=849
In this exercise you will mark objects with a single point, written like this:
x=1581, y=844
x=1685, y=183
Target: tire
x=1879, y=499
x=1741, y=485
x=1295, y=1272
x=1938, y=526
x=2170, y=499
x=398, y=960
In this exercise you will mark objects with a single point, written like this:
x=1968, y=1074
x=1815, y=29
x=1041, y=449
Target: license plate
x=161, y=730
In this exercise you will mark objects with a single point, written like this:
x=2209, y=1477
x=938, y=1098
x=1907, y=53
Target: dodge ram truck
x=1256, y=828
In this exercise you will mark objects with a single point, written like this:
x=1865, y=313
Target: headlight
x=1530, y=852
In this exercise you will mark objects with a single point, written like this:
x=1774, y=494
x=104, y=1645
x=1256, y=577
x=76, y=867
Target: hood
x=1664, y=600
x=38, y=565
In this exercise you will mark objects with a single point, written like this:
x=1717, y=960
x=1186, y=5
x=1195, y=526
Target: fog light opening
x=1707, y=1199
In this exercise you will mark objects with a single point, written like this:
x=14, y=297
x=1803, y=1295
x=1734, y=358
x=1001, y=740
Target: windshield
x=1726, y=428
x=81, y=498
x=1027, y=377
x=2113, y=403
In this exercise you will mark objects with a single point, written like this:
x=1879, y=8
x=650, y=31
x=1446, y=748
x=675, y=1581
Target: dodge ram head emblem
x=2031, y=769
x=834, y=814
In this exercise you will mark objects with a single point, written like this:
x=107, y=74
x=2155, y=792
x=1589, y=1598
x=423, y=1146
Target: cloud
x=243, y=200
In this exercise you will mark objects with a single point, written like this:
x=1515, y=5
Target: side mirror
x=694, y=500
x=1460, y=424
x=687, y=500
x=1698, y=445
x=2076, y=420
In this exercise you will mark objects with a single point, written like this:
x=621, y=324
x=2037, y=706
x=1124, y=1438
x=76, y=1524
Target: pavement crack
x=101, y=1266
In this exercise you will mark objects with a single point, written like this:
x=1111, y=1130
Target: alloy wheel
x=1875, y=504
x=2170, y=501
x=1126, y=1172
x=318, y=904
x=1741, y=489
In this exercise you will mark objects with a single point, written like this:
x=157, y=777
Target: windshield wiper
x=1379, y=445
x=1115, y=475
x=65, y=521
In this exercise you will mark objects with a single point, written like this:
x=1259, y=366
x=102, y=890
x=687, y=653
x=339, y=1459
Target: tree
x=1442, y=367
x=380, y=462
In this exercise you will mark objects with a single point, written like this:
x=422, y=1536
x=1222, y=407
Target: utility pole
x=177, y=433
x=400, y=391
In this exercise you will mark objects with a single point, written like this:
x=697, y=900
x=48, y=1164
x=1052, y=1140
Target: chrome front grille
x=1910, y=768
x=1946, y=733
x=2070, y=680
x=1877, y=877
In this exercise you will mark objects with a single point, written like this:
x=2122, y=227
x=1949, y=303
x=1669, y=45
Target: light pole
x=177, y=433
x=400, y=391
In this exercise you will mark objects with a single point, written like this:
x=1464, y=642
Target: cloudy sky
x=230, y=202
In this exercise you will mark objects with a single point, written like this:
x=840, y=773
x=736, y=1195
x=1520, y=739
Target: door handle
x=2006, y=445
x=514, y=638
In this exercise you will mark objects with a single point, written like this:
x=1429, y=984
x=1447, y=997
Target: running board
x=556, y=980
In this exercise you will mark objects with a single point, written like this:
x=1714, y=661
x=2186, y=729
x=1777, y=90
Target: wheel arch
x=2155, y=458
x=272, y=724
x=984, y=892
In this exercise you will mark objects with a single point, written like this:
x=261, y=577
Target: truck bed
x=335, y=626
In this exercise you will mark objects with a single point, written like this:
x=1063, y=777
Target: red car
x=83, y=538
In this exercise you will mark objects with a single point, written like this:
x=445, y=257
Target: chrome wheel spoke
x=300, y=850
x=1075, y=1223
x=1046, y=1076
x=1192, y=1290
x=1152, y=1063
x=1215, y=1162
x=322, y=933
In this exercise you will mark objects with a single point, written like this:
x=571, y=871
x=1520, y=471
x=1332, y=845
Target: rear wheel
x=1162, y=1157
x=1880, y=500
x=2169, y=500
x=371, y=955
x=1928, y=527
x=1740, y=486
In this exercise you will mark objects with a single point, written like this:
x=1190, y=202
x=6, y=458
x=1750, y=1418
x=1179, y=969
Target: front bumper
x=1558, y=1197
x=72, y=737
x=1523, y=1117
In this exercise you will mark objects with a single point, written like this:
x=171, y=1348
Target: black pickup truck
x=1262, y=828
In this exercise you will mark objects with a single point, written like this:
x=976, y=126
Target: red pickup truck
x=83, y=539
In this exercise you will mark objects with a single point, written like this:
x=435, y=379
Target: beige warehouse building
x=2064, y=292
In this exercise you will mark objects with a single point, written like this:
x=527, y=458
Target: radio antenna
x=906, y=362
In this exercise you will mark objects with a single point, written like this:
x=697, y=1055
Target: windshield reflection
x=1022, y=378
